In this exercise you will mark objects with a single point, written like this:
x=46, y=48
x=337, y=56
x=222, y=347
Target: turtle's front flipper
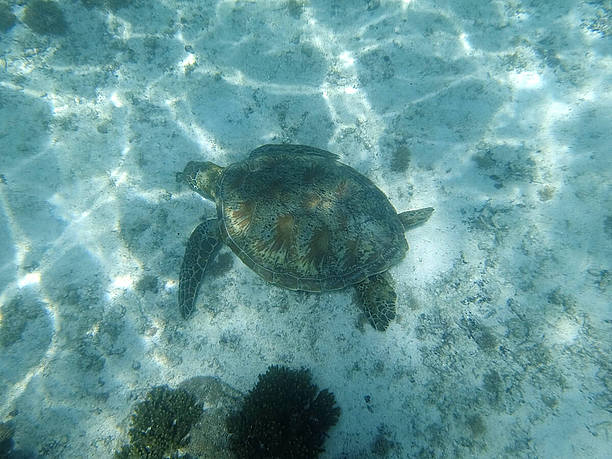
x=412, y=218
x=203, y=245
x=377, y=299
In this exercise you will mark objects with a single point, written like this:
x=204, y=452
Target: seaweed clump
x=283, y=416
x=44, y=17
x=161, y=423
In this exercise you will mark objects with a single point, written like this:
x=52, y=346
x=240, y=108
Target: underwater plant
x=161, y=423
x=44, y=17
x=283, y=416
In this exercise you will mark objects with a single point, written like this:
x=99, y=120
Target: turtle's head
x=203, y=177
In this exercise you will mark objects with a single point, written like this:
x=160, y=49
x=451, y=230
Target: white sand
x=502, y=344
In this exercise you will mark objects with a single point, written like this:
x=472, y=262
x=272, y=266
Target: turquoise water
x=497, y=114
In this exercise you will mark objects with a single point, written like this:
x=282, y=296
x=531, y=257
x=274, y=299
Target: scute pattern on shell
x=304, y=221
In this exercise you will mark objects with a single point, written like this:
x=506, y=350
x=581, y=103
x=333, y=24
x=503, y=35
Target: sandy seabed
x=496, y=113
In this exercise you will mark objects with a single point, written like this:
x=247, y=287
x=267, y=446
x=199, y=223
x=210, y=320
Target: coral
x=284, y=415
x=161, y=423
x=44, y=17
x=7, y=18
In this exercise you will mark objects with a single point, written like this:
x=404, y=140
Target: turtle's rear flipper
x=203, y=245
x=412, y=218
x=377, y=299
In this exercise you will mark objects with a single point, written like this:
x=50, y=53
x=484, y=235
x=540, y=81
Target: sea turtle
x=302, y=220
